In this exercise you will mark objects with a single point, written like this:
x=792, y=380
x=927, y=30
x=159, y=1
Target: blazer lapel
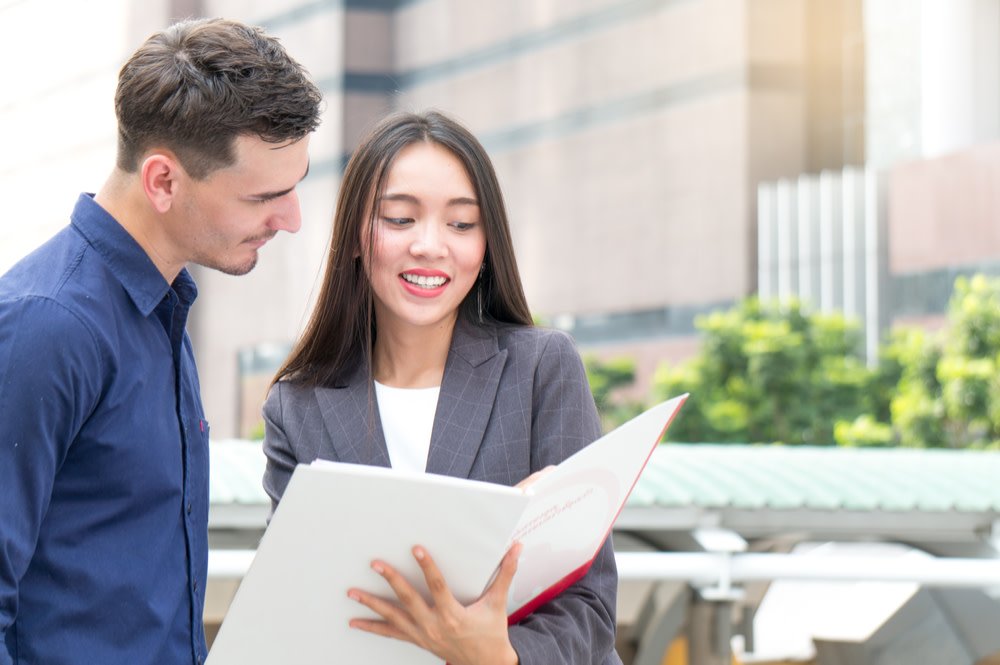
x=468, y=391
x=351, y=418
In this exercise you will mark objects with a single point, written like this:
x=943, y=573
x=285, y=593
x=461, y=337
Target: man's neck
x=122, y=198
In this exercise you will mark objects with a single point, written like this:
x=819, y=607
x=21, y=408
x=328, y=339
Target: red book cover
x=574, y=507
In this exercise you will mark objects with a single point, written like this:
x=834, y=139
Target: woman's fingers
x=409, y=598
x=499, y=589
x=382, y=628
x=476, y=633
x=394, y=617
x=436, y=584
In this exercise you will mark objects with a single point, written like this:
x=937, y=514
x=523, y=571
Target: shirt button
x=188, y=508
x=196, y=586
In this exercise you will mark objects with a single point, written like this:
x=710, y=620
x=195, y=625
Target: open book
x=335, y=518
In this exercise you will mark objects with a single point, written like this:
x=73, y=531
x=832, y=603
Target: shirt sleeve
x=578, y=626
x=49, y=382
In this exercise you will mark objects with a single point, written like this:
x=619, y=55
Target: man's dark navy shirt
x=103, y=456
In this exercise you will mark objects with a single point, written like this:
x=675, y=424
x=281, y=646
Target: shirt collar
x=126, y=259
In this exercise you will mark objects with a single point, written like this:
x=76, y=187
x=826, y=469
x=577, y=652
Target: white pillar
x=960, y=74
x=875, y=268
x=786, y=240
x=830, y=242
x=766, y=278
x=853, y=209
x=808, y=229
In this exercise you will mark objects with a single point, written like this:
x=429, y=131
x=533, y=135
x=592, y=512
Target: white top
x=407, y=420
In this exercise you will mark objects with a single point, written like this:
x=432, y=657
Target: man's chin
x=234, y=269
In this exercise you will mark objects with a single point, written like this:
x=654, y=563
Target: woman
x=420, y=354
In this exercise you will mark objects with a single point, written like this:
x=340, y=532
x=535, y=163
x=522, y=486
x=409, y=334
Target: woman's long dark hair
x=340, y=331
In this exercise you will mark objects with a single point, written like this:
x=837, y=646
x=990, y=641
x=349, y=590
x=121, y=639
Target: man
x=103, y=440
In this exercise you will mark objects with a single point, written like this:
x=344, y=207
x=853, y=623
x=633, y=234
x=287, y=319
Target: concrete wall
x=614, y=128
x=57, y=108
x=933, y=77
x=629, y=137
x=944, y=212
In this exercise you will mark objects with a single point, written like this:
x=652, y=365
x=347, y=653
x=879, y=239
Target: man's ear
x=160, y=174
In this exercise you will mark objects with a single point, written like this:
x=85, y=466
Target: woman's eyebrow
x=409, y=198
x=405, y=198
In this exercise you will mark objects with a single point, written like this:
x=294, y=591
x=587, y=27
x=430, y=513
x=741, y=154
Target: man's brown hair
x=197, y=85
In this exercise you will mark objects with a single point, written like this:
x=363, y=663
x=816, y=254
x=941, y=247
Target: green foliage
x=605, y=377
x=913, y=410
x=768, y=373
x=974, y=314
x=948, y=394
x=257, y=433
x=917, y=416
x=864, y=431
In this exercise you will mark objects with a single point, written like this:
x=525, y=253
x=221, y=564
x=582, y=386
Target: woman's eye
x=463, y=226
x=397, y=221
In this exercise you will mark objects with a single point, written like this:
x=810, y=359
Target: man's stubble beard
x=234, y=270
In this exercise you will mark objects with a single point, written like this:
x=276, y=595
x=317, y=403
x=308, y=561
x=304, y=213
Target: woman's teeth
x=423, y=281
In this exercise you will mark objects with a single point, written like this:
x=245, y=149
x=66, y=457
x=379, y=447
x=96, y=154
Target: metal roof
x=820, y=478
x=929, y=497
x=746, y=477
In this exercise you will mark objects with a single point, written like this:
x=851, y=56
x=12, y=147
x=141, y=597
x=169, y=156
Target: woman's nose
x=429, y=241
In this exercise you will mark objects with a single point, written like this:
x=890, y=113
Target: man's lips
x=259, y=241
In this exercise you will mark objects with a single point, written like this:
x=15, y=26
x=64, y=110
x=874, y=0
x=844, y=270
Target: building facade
x=630, y=138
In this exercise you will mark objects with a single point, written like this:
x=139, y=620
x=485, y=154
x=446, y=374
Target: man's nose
x=288, y=215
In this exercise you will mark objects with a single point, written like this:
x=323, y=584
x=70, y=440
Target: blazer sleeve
x=578, y=626
x=281, y=458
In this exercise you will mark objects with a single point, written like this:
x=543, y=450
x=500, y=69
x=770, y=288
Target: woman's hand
x=461, y=635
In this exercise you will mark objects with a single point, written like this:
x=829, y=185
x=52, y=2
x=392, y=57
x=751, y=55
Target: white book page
x=333, y=520
x=573, y=507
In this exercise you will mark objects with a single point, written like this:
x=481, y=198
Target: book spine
x=547, y=595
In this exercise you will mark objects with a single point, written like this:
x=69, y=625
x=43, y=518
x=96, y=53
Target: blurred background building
x=660, y=159
x=631, y=138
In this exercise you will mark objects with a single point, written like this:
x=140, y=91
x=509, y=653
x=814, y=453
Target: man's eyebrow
x=409, y=198
x=266, y=196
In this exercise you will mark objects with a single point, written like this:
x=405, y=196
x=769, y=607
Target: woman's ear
x=160, y=173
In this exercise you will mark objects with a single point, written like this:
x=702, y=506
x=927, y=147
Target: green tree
x=900, y=406
x=768, y=373
x=948, y=391
x=605, y=378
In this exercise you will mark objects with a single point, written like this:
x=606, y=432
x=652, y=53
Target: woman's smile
x=427, y=282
